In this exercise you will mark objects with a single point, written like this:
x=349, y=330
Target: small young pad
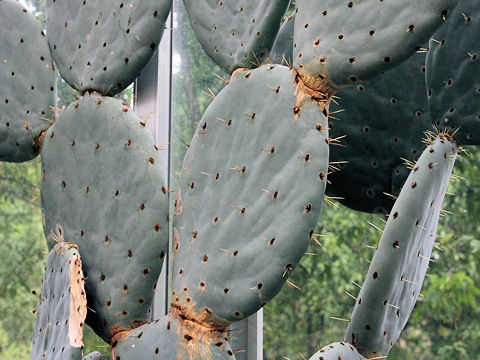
x=398, y=268
x=236, y=34
x=171, y=338
x=102, y=190
x=27, y=83
x=338, y=351
x=95, y=356
x=58, y=332
x=102, y=45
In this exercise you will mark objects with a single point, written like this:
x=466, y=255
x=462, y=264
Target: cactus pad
x=27, y=78
x=58, y=332
x=236, y=34
x=250, y=194
x=338, y=351
x=341, y=42
x=453, y=73
x=400, y=263
x=102, y=190
x=102, y=45
x=171, y=338
x=383, y=120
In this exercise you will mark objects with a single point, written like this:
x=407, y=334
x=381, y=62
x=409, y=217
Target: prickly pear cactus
x=453, y=73
x=58, y=333
x=341, y=42
x=27, y=78
x=282, y=49
x=172, y=338
x=398, y=268
x=382, y=122
x=102, y=45
x=250, y=194
x=102, y=190
x=236, y=34
x=338, y=351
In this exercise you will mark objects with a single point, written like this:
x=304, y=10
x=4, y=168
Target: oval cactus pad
x=340, y=42
x=250, y=194
x=236, y=34
x=27, y=83
x=102, y=190
x=102, y=45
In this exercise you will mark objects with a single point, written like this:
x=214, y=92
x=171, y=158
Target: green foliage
x=12, y=350
x=22, y=247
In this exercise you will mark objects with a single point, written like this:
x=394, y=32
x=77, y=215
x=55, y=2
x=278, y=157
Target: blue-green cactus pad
x=27, y=83
x=58, y=332
x=236, y=34
x=398, y=268
x=250, y=194
x=338, y=351
x=102, y=190
x=383, y=120
x=453, y=73
x=282, y=49
x=341, y=42
x=102, y=45
x=171, y=338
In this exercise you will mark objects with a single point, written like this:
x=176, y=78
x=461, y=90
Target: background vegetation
x=444, y=325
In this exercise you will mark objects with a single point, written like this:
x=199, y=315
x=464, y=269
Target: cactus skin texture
x=383, y=120
x=250, y=194
x=27, y=78
x=400, y=263
x=338, y=351
x=58, y=333
x=236, y=34
x=102, y=190
x=102, y=45
x=282, y=49
x=341, y=42
x=172, y=338
x=453, y=73
x=95, y=356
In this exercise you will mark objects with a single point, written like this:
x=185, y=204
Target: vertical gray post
x=247, y=337
x=152, y=103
